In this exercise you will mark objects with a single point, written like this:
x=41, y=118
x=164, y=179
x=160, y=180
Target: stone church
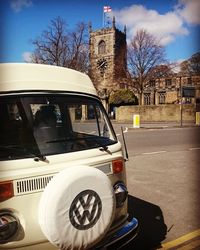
x=108, y=60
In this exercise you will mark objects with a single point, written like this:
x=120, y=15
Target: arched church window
x=102, y=47
x=162, y=97
x=147, y=99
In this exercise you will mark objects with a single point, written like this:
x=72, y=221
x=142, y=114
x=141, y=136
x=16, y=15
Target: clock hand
x=101, y=64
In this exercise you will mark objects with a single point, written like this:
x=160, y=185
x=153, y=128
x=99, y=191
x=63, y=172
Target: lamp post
x=181, y=106
x=105, y=97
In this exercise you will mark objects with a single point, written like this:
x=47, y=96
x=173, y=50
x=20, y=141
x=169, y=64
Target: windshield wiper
x=105, y=148
x=41, y=158
x=59, y=140
x=102, y=147
x=23, y=151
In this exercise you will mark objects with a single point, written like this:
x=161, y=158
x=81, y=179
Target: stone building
x=167, y=90
x=108, y=60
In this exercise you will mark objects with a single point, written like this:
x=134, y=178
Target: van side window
x=10, y=123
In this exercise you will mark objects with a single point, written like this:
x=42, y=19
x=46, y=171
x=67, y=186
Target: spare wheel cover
x=77, y=208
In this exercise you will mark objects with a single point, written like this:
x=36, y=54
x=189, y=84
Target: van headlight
x=9, y=226
x=121, y=193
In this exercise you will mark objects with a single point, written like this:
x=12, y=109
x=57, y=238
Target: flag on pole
x=106, y=14
x=107, y=9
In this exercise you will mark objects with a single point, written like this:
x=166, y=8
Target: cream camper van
x=62, y=171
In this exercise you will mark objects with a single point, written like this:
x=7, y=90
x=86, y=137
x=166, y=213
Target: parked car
x=62, y=176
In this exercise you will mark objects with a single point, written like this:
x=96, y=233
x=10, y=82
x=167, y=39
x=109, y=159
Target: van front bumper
x=122, y=236
x=116, y=241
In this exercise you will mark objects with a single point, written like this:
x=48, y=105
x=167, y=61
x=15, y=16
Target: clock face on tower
x=102, y=64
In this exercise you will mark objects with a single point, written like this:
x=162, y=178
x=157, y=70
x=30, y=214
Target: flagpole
x=106, y=9
x=103, y=18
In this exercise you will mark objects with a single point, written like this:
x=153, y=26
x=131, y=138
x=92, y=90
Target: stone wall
x=157, y=113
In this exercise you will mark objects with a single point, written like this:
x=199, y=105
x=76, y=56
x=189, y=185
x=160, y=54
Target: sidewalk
x=154, y=125
x=166, y=124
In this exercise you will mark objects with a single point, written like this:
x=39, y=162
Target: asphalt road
x=163, y=178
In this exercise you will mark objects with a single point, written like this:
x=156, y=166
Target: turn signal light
x=117, y=166
x=6, y=190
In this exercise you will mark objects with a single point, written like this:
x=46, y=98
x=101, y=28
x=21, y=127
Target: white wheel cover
x=77, y=207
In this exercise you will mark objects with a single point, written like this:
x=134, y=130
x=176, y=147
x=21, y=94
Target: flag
x=107, y=9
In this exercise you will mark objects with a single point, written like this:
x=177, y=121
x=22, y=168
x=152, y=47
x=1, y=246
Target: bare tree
x=192, y=65
x=159, y=71
x=79, y=48
x=185, y=67
x=58, y=46
x=195, y=63
x=144, y=53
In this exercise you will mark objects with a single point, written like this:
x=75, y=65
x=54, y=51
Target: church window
x=168, y=82
x=189, y=81
x=102, y=47
x=162, y=97
x=147, y=99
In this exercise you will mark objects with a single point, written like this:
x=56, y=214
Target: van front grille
x=31, y=185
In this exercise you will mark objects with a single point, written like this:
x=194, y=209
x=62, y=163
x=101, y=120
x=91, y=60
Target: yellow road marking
x=191, y=245
x=181, y=239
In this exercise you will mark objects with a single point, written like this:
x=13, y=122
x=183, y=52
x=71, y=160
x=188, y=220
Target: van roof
x=31, y=77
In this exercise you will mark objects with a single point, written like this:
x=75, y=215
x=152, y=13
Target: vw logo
x=85, y=210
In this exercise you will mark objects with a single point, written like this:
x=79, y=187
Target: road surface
x=163, y=178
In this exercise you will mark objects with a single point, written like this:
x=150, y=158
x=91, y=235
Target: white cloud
x=27, y=56
x=18, y=5
x=164, y=26
x=189, y=10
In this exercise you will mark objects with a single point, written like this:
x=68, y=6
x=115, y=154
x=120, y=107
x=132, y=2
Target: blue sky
x=176, y=23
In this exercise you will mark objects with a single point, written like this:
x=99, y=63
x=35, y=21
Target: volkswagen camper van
x=62, y=169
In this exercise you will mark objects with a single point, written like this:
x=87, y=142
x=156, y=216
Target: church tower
x=108, y=56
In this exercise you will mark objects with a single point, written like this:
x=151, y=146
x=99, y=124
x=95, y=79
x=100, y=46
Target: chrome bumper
x=121, y=237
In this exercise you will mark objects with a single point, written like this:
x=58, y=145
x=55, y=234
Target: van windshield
x=44, y=124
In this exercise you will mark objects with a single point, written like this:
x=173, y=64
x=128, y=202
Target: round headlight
x=121, y=193
x=8, y=226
